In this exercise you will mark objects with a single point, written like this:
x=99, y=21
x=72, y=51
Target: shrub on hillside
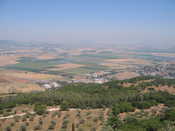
x=40, y=109
x=64, y=106
x=170, y=114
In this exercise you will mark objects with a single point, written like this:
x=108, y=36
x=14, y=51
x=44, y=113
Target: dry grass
x=8, y=60
x=22, y=81
x=28, y=75
x=125, y=63
x=126, y=75
x=81, y=119
x=127, y=84
x=16, y=87
x=118, y=66
x=75, y=52
x=130, y=60
x=166, y=88
x=145, y=113
x=28, y=50
x=46, y=56
x=19, y=81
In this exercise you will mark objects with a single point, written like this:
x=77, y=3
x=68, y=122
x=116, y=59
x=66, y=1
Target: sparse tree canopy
x=40, y=109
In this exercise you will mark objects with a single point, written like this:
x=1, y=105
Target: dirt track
x=22, y=114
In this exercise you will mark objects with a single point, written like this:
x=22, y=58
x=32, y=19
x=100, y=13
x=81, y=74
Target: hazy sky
x=83, y=21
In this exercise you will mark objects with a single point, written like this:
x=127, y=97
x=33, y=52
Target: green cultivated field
x=91, y=62
x=35, y=65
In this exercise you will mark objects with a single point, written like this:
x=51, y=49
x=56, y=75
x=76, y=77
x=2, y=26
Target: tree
x=23, y=128
x=8, y=128
x=170, y=114
x=114, y=122
x=64, y=106
x=40, y=109
x=73, y=127
x=132, y=127
x=113, y=119
x=125, y=107
x=151, y=124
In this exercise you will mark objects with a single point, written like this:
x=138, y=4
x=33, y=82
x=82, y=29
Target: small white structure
x=100, y=80
x=55, y=85
x=47, y=86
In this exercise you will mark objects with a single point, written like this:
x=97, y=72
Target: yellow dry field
x=75, y=52
x=126, y=75
x=127, y=60
x=66, y=66
x=18, y=87
x=28, y=50
x=10, y=84
x=85, y=120
x=8, y=60
x=29, y=75
x=12, y=81
x=118, y=66
x=46, y=56
x=124, y=63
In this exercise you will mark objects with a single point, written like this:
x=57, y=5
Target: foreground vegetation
x=109, y=95
x=79, y=120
